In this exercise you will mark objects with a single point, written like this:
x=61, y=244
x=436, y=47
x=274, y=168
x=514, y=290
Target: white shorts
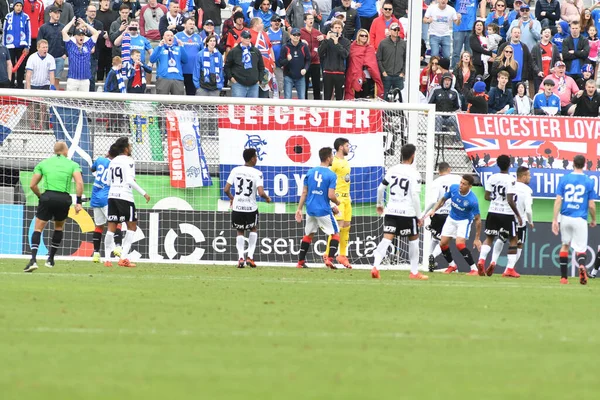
x=100, y=215
x=574, y=232
x=457, y=229
x=326, y=223
x=78, y=85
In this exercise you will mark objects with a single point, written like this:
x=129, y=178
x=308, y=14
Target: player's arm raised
x=301, y=203
x=557, y=206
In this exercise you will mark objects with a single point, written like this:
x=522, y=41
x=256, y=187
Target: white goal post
x=184, y=147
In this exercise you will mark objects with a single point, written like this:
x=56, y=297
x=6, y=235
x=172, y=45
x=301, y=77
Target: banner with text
x=288, y=139
x=546, y=145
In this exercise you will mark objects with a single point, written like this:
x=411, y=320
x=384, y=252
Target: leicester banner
x=71, y=126
x=288, y=139
x=187, y=163
x=546, y=145
x=10, y=115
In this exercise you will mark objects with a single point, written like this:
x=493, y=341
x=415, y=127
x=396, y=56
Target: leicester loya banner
x=546, y=145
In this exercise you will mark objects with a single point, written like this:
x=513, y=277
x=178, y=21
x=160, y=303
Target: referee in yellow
x=57, y=172
x=341, y=167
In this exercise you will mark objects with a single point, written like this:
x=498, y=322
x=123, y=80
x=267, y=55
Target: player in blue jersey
x=318, y=192
x=464, y=210
x=575, y=197
x=99, y=202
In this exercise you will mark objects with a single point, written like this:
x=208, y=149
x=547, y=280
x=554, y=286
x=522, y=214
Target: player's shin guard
x=109, y=244
x=485, y=250
x=252, y=239
x=344, y=238
x=118, y=236
x=304, y=246
x=381, y=251
x=127, y=242
x=36, y=237
x=447, y=254
x=413, y=256
x=466, y=253
x=498, y=246
x=564, y=259
x=581, y=258
x=239, y=245
x=57, y=237
x=97, y=239
x=512, y=257
x=333, y=245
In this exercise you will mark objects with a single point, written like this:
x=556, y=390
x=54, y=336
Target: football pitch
x=83, y=331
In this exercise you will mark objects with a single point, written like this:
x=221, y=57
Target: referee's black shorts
x=54, y=206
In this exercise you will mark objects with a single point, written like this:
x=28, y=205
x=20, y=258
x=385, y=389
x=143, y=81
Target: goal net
x=184, y=149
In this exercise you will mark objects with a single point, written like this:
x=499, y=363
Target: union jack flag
x=496, y=147
x=263, y=45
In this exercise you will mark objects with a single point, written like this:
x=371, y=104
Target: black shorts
x=54, y=206
x=243, y=221
x=501, y=225
x=121, y=211
x=521, y=234
x=436, y=225
x=400, y=226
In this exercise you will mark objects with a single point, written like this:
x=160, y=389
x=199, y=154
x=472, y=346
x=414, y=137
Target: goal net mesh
x=184, y=152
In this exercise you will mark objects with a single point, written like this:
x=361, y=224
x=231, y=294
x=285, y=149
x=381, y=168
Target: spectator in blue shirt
x=17, y=38
x=192, y=44
x=170, y=57
x=79, y=51
x=546, y=102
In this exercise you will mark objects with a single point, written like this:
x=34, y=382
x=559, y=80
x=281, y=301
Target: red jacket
x=313, y=44
x=379, y=29
x=361, y=58
x=36, y=16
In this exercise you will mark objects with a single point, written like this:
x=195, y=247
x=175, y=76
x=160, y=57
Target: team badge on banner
x=187, y=163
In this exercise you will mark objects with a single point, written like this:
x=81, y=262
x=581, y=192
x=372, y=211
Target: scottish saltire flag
x=10, y=116
x=187, y=163
x=71, y=126
x=287, y=141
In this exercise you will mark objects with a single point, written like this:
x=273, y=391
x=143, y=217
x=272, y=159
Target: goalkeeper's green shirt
x=57, y=172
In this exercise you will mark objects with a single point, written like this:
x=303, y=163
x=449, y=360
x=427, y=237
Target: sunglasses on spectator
x=435, y=63
x=362, y=35
x=500, y=5
x=387, y=9
x=508, y=51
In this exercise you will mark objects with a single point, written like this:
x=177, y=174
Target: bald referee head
x=61, y=149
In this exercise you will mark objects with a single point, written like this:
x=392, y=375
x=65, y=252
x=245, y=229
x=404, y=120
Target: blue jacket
x=14, y=25
x=160, y=55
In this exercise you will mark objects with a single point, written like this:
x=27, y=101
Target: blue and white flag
x=71, y=126
x=10, y=116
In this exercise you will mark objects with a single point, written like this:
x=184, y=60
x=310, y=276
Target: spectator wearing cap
x=5, y=68
x=519, y=52
x=575, y=51
x=587, y=101
x=66, y=14
x=212, y=10
x=548, y=13
x=51, y=31
x=150, y=15
x=564, y=87
x=477, y=100
x=515, y=13
x=446, y=100
x=263, y=9
x=79, y=50
x=278, y=38
x=234, y=35
x=313, y=37
x=244, y=67
x=244, y=6
x=192, y=44
x=530, y=28
x=295, y=60
x=380, y=28
x=170, y=56
x=500, y=96
x=333, y=53
x=208, y=71
x=17, y=39
x=298, y=8
x=587, y=73
x=544, y=55
x=229, y=23
x=352, y=22
x=440, y=17
x=523, y=104
x=391, y=60
x=363, y=79
x=208, y=28
x=171, y=21
x=546, y=102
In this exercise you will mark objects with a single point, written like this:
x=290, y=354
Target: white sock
x=127, y=242
x=381, y=251
x=498, y=246
x=594, y=272
x=485, y=250
x=473, y=267
x=512, y=260
x=519, y=251
x=239, y=244
x=434, y=243
x=109, y=244
x=413, y=255
x=252, y=238
x=436, y=251
x=452, y=264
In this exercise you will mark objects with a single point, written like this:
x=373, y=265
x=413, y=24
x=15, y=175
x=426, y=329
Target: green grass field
x=82, y=331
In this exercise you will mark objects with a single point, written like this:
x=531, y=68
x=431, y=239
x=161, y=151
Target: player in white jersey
x=524, y=200
x=500, y=222
x=575, y=197
x=440, y=187
x=121, y=205
x=247, y=181
x=402, y=211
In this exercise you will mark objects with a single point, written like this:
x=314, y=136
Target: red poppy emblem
x=548, y=149
x=297, y=149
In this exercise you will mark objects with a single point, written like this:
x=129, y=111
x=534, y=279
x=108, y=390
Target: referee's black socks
x=35, y=243
x=57, y=237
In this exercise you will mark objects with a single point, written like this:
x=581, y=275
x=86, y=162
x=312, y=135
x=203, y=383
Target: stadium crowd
x=484, y=56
